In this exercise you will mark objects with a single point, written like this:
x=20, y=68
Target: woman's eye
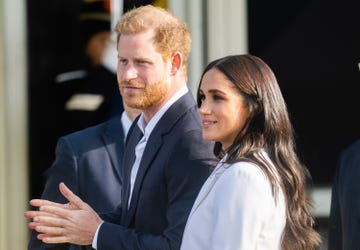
x=217, y=97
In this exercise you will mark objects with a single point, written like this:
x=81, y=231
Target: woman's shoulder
x=244, y=170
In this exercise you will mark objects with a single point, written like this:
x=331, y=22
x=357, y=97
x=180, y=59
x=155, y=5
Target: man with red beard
x=166, y=160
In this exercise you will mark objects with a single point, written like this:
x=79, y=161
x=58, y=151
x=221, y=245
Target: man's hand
x=75, y=222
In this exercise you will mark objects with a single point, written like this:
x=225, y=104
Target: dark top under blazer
x=174, y=165
x=344, y=221
x=89, y=162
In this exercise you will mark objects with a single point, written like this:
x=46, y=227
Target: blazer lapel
x=129, y=158
x=151, y=149
x=153, y=145
x=113, y=137
x=207, y=187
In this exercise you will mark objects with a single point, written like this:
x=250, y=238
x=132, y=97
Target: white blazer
x=235, y=210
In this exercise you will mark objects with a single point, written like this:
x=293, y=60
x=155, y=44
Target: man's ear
x=176, y=62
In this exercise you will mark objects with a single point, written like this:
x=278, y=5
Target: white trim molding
x=226, y=28
x=13, y=126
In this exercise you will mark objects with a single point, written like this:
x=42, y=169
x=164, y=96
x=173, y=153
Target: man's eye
x=122, y=61
x=141, y=62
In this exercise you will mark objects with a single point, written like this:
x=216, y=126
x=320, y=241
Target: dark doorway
x=54, y=45
x=313, y=47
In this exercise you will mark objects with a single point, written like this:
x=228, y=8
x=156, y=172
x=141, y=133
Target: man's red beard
x=150, y=94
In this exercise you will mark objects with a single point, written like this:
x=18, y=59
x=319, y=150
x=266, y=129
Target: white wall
x=227, y=28
x=224, y=31
x=190, y=11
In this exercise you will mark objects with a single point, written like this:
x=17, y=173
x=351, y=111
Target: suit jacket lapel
x=153, y=145
x=113, y=137
x=129, y=159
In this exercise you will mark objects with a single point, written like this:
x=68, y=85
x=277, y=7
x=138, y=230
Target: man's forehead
x=148, y=34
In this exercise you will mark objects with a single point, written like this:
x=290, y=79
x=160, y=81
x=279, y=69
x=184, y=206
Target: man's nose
x=129, y=72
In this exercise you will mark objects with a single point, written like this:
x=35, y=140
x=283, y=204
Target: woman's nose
x=204, y=108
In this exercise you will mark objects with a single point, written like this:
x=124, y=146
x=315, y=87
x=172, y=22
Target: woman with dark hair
x=255, y=197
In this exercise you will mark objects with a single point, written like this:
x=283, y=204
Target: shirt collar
x=146, y=129
x=126, y=122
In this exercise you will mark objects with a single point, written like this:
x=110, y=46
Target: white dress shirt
x=126, y=123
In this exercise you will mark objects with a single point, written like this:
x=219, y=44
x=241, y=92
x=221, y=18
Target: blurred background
x=311, y=45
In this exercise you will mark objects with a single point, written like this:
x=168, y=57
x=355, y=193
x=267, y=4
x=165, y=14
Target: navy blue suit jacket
x=344, y=221
x=174, y=165
x=89, y=162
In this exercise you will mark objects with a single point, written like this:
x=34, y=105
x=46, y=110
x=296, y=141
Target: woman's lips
x=207, y=123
